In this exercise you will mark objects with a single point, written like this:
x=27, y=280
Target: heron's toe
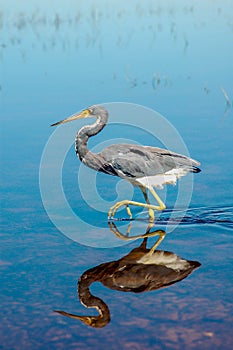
x=128, y=211
x=110, y=213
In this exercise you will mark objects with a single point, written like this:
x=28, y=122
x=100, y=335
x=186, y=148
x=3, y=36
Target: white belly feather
x=159, y=180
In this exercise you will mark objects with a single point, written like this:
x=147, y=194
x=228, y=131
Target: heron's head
x=90, y=112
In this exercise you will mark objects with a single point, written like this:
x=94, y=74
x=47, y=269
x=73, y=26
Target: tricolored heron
x=143, y=166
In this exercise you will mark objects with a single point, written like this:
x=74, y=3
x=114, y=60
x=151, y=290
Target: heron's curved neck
x=91, y=301
x=88, y=131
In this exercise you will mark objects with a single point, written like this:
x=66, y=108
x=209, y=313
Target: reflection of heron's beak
x=81, y=115
x=92, y=321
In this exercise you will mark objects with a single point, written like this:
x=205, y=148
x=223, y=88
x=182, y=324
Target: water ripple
x=198, y=216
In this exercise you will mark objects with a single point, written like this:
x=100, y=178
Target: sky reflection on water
x=174, y=57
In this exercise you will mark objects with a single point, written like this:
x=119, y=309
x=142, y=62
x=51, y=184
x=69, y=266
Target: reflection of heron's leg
x=120, y=235
x=143, y=244
x=128, y=230
x=161, y=234
x=126, y=237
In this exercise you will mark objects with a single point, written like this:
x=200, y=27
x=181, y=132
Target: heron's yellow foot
x=126, y=203
x=116, y=206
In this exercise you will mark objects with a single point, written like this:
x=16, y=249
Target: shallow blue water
x=170, y=57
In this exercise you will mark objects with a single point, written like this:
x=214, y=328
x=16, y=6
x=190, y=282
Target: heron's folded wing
x=138, y=161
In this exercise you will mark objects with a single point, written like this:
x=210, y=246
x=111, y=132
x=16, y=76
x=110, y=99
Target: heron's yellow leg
x=162, y=206
x=129, y=211
x=150, y=211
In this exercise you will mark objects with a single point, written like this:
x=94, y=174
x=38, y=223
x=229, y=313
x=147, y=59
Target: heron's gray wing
x=138, y=161
x=171, y=159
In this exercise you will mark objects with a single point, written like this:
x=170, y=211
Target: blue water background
x=59, y=57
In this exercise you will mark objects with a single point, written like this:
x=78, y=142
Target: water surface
x=173, y=57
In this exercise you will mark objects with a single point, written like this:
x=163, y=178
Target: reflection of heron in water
x=139, y=271
x=143, y=166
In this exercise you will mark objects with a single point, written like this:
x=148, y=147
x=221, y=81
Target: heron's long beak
x=85, y=113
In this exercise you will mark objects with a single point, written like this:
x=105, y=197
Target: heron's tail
x=195, y=169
